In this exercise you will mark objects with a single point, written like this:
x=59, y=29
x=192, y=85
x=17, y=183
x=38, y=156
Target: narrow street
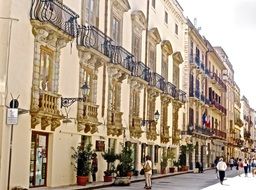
x=190, y=181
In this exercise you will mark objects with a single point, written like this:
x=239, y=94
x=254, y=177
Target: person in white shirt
x=221, y=167
x=148, y=172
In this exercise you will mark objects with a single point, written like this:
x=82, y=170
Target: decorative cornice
x=178, y=57
x=167, y=47
x=139, y=19
x=153, y=34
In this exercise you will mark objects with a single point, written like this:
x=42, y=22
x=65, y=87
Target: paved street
x=205, y=181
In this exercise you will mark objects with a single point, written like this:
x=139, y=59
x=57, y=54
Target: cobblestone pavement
x=205, y=181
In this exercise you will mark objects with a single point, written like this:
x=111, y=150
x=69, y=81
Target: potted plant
x=110, y=158
x=183, y=158
x=124, y=167
x=171, y=157
x=82, y=157
x=164, y=163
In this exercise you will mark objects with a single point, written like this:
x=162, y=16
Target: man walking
x=221, y=167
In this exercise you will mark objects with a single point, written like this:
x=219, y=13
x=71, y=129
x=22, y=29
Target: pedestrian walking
x=231, y=163
x=221, y=167
x=240, y=166
x=215, y=163
x=245, y=164
x=148, y=172
x=94, y=166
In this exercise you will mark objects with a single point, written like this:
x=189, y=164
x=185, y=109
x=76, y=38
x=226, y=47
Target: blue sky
x=230, y=24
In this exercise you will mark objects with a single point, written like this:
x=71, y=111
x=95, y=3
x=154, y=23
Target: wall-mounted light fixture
x=147, y=122
x=66, y=102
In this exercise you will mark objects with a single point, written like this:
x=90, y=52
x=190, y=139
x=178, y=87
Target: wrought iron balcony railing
x=56, y=13
x=170, y=89
x=219, y=80
x=142, y=71
x=121, y=56
x=157, y=81
x=92, y=37
x=181, y=96
x=194, y=60
x=220, y=134
x=201, y=130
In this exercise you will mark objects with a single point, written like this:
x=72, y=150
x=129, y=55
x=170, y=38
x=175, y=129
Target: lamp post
x=66, y=102
x=156, y=117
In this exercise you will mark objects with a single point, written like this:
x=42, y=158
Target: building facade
x=130, y=54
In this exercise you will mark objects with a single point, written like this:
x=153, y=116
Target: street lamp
x=66, y=102
x=156, y=117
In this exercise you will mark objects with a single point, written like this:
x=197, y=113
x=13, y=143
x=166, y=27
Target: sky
x=230, y=24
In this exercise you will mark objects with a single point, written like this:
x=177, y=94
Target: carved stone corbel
x=45, y=122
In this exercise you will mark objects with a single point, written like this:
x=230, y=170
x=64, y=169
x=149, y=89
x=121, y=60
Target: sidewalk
x=235, y=183
x=102, y=184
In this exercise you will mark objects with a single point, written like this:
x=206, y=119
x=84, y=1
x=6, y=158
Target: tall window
x=152, y=57
x=92, y=12
x=191, y=116
x=166, y=17
x=165, y=66
x=154, y=4
x=176, y=29
x=176, y=77
x=136, y=47
x=46, y=68
x=116, y=30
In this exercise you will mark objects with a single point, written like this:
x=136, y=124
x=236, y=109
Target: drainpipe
x=146, y=60
x=104, y=65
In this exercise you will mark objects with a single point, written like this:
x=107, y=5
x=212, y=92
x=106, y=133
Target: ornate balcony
x=195, y=61
x=180, y=96
x=198, y=130
x=171, y=90
x=92, y=37
x=215, y=77
x=56, y=14
x=45, y=110
x=151, y=131
x=219, y=134
x=142, y=71
x=89, y=118
x=114, y=123
x=239, y=122
x=218, y=106
x=176, y=136
x=247, y=135
x=122, y=57
x=157, y=81
x=135, y=128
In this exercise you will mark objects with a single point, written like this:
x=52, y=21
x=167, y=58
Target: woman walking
x=221, y=167
x=245, y=164
x=148, y=172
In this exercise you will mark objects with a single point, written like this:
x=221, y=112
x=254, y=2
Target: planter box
x=122, y=181
x=108, y=178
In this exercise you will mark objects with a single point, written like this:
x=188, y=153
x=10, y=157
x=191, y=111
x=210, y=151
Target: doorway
x=38, y=159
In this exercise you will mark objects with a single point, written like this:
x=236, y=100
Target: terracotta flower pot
x=171, y=170
x=81, y=180
x=107, y=178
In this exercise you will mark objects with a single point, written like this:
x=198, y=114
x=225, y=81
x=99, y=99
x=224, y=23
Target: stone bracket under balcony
x=135, y=127
x=165, y=138
x=151, y=131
